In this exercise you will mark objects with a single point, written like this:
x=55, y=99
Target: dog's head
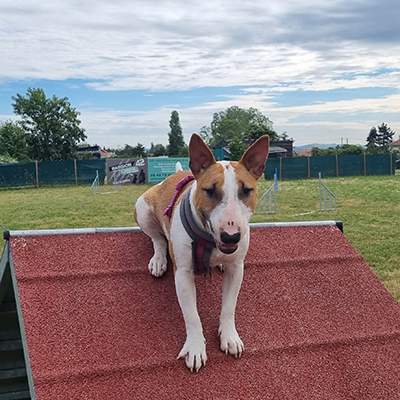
x=226, y=192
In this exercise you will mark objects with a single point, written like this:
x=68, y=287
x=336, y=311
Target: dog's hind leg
x=149, y=224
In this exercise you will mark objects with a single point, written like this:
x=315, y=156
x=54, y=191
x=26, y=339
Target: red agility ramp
x=315, y=321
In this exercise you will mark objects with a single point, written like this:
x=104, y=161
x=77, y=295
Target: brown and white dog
x=205, y=225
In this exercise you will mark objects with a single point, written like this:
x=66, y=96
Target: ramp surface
x=315, y=321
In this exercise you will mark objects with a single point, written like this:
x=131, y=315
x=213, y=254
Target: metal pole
x=81, y=231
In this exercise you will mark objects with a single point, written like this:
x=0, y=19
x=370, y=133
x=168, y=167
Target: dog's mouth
x=227, y=248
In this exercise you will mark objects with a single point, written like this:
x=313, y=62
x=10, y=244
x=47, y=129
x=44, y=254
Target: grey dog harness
x=202, y=242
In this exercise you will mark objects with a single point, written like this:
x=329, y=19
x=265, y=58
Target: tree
x=175, y=136
x=13, y=142
x=350, y=149
x=378, y=140
x=126, y=152
x=51, y=124
x=372, y=138
x=239, y=124
x=205, y=133
x=237, y=147
x=157, y=150
x=346, y=149
x=132, y=152
x=385, y=136
x=139, y=150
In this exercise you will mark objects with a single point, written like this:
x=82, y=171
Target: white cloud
x=168, y=45
x=268, y=47
x=152, y=126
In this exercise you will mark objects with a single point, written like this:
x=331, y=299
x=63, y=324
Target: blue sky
x=320, y=70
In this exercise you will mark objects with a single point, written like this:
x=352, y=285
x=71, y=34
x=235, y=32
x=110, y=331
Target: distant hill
x=309, y=146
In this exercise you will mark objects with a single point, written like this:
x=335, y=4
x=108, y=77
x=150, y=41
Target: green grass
x=368, y=206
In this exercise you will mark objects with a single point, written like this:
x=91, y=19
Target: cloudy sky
x=321, y=70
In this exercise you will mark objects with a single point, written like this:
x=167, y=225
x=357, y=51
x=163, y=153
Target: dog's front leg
x=232, y=280
x=194, y=349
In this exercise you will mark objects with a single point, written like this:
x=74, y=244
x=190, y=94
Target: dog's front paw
x=194, y=352
x=157, y=265
x=231, y=342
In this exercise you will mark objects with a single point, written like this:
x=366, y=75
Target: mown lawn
x=368, y=206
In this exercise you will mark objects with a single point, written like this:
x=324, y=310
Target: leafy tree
x=236, y=125
x=175, y=136
x=184, y=151
x=205, y=133
x=330, y=151
x=237, y=147
x=132, y=152
x=13, y=142
x=51, y=124
x=346, y=149
x=126, y=152
x=157, y=150
x=6, y=159
x=350, y=149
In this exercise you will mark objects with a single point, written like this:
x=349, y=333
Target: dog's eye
x=211, y=192
x=247, y=191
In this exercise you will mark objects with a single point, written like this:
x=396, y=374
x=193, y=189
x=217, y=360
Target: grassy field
x=368, y=206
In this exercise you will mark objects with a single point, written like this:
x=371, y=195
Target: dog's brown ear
x=256, y=155
x=200, y=155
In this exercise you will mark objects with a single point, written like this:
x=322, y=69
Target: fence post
x=309, y=167
x=391, y=163
x=337, y=166
x=365, y=165
x=76, y=174
x=37, y=173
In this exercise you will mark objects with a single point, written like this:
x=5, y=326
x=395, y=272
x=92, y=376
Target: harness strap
x=202, y=241
x=178, y=188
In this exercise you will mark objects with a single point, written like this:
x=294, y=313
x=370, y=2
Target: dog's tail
x=178, y=167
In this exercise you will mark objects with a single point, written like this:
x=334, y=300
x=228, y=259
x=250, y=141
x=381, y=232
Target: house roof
x=277, y=149
x=305, y=152
x=315, y=320
x=395, y=143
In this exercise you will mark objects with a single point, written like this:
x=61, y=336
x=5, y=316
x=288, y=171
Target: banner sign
x=142, y=170
x=126, y=171
x=160, y=168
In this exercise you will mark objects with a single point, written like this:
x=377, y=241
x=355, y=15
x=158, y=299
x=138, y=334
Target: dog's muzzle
x=229, y=243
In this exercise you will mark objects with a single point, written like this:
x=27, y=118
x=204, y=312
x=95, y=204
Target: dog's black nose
x=226, y=238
